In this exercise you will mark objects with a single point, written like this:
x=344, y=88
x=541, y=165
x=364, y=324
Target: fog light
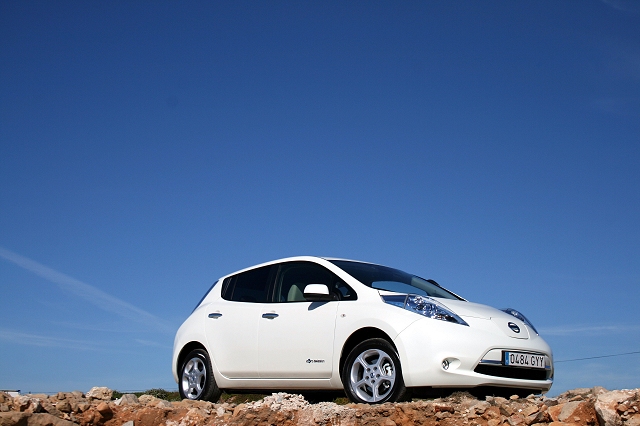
x=445, y=364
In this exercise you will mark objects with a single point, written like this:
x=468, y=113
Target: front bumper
x=470, y=355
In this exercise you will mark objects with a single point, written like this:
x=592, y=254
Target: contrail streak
x=589, y=330
x=88, y=292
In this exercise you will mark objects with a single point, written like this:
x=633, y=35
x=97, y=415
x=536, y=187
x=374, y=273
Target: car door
x=296, y=336
x=233, y=321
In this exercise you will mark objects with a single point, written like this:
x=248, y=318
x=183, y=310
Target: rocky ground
x=595, y=406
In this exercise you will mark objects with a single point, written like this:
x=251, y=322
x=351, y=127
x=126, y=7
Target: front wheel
x=196, y=378
x=372, y=373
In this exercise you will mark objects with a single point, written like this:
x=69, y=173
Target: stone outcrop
x=588, y=407
x=101, y=393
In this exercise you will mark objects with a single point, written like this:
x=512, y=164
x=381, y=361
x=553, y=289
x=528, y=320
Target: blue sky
x=148, y=148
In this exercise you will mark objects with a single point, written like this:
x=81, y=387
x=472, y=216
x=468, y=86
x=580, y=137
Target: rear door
x=232, y=323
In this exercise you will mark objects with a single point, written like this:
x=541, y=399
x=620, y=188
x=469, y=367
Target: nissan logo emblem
x=514, y=327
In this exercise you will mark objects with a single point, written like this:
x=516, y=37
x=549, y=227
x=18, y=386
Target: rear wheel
x=372, y=373
x=196, y=378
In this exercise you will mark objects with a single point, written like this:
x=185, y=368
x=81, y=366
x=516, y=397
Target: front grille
x=513, y=372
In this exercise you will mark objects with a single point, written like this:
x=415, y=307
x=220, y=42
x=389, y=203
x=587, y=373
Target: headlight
x=425, y=306
x=521, y=317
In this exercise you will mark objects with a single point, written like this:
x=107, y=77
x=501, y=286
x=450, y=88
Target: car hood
x=473, y=310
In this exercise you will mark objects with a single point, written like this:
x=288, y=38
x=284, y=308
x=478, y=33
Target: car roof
x=293, y=259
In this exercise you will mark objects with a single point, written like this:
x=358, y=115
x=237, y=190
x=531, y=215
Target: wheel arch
x=185, y=351
x=359, y=336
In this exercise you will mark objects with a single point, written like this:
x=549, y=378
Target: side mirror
x=317, y=293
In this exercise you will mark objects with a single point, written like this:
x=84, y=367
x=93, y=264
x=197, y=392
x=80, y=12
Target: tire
x=196, y=378
x=372, y=373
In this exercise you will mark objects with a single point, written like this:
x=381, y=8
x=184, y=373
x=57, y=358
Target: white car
x=310, y=323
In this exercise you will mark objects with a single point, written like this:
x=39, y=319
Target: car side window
x=293, y=277
x=343, y=291
x=250, y=286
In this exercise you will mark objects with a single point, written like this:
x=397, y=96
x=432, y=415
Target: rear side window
x=250, y=286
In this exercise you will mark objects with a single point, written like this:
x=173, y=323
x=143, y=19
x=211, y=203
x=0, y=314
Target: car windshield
x=384, y=278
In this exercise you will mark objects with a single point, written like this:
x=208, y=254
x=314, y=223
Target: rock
x=597, y=390
x=506, y=410
x=187, y=403
x=127, y=399
x=101, y=393
x=554, y=412
x=45, y=419
x=238, y=409
x=567, y=410
x=104, y=409
x=581, y=392
x=83, y=406
x=147, y=399
x=491, y=413
x=480, y=407
x=64, y=406
x=281, y=401
x=529, y=410
x=539, y=417
x=633, y=420
x=516, y=420
x=35, y=419
x=581, y=412
x=163, y=404
x=606, y=407
x=442, y=415
x=14, y=419
x=572, y=408
x=444, y=408
x=498, y=400
x=28, y=404
x=21, y=403
x=51, y=409
x=550, y=402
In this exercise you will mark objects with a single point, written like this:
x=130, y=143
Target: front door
x=295, y=336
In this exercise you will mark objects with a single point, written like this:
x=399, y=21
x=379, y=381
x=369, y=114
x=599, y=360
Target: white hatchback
x=310, y=324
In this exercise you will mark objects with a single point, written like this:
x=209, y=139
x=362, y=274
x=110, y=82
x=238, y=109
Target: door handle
x=215, y=315
x=270, y=315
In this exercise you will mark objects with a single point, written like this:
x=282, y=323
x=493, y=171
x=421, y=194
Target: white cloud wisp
x=18, y=337
x=89, y=293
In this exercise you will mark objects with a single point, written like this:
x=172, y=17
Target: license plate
x=519, y=359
